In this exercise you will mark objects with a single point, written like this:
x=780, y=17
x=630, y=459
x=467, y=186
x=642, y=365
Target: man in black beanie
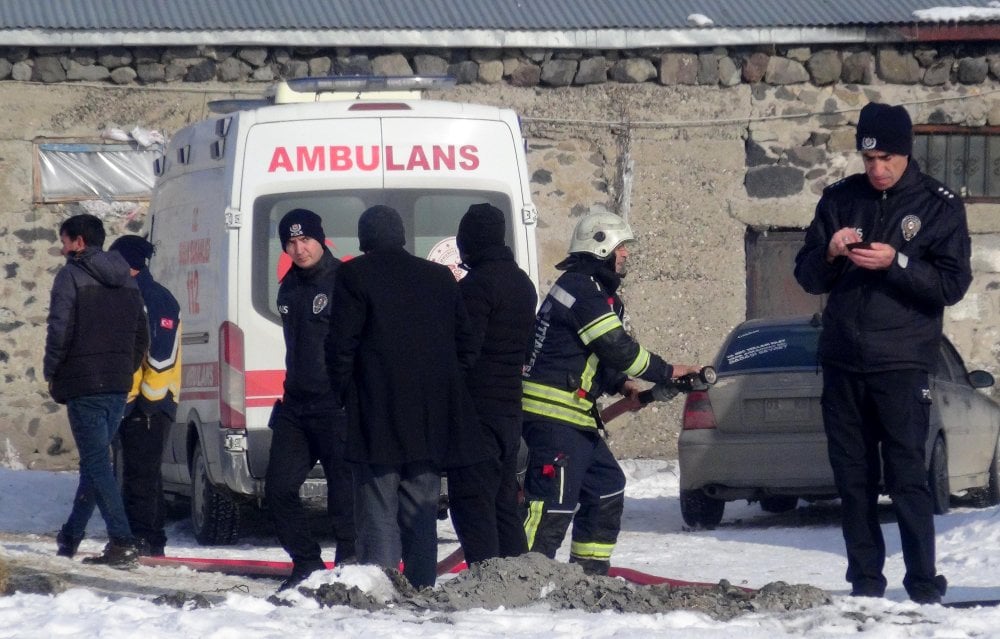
x=891, y=248
x=152, y=402
x=501, y=302
x=398, y=348
x=308, y=423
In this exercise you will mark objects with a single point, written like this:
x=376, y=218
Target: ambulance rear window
x=430, y=218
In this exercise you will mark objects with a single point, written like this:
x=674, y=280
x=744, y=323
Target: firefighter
x=581, y=351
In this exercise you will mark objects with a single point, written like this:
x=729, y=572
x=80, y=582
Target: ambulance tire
x=215, y=515
x=701, y=511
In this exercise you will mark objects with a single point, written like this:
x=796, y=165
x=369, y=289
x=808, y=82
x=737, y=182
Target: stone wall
x=719, y=141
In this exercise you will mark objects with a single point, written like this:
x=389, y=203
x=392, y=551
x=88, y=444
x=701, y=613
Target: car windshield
x=763, y=348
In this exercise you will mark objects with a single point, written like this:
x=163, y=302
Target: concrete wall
x=708, y=161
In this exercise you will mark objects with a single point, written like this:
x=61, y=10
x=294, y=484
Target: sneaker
x=300, y=572
x=65, y=545
x=117, y=554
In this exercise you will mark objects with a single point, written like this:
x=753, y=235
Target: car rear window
x=770, y=347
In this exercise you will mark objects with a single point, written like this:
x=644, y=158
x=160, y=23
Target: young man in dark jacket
x=500, y=299
x=891, y=248
x=581, y=351
x=152, y=402
x=96, y=340
x=398, y=345
x=309, y=423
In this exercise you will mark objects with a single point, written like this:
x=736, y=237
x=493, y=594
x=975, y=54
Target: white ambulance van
x=333, y=145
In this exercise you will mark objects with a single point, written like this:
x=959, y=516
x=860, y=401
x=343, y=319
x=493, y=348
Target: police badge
x=867, y=144
x=910, y=227
x=319, y=303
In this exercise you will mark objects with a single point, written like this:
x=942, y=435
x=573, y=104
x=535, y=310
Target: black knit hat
x=380, y=227
x=301, y=223
x=482, y=226
x=136, y=250
x=886, y=128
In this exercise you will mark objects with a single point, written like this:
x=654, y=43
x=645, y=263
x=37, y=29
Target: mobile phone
x=859, y=245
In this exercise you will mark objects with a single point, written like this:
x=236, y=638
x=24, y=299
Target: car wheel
x=215, y=515
x=989, y=495
x=701, y=511
x=937, y=478
x=778, y=503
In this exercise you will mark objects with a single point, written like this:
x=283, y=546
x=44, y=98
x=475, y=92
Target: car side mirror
x=980, y=379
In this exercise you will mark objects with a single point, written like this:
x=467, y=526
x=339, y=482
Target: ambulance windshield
x=430, y=218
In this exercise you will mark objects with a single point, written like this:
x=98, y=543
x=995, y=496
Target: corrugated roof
x=561, y=15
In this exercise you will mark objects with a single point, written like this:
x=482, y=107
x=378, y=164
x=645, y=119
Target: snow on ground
x=750, y=548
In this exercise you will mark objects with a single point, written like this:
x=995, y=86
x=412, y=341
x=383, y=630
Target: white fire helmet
x=599, y=233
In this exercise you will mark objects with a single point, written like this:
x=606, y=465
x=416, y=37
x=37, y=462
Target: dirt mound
x=533, y=579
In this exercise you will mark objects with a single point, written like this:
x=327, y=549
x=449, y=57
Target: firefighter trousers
x=570, y=467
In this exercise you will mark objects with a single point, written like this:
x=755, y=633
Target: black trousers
x=879, y=421
x=483, y=498
x=569, y=466
x=142, y=439
x=304, y=434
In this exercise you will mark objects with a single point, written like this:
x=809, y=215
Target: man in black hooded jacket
x=891, y=248
x=500, y=298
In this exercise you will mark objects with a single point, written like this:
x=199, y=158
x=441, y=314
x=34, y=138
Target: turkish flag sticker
x=167, y=323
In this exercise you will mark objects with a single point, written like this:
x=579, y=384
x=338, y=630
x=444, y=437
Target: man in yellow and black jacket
x=581, y=351
x=152, y=402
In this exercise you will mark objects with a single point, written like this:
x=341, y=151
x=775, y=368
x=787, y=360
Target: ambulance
x=335, y=146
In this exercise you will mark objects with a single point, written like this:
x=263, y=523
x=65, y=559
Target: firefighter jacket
x=304, y=304
x=156, y=385
x=581, y=349
x=97, y=332
x=889, y=319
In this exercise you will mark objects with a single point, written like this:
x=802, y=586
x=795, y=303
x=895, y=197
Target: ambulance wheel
x=701, y=511
x=215, y=515
x=937, y=478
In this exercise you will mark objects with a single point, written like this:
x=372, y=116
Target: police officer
x=891, y=248
x=309, y=422
x=581, y=351
x=152, y=402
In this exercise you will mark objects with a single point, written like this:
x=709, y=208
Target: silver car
x=757, y=434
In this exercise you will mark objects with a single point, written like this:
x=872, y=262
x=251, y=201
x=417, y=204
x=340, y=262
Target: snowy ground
x=750, y=548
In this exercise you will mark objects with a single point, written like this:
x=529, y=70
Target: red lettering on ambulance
x=340, y=158
x=280, y=160
x=371, y=164
x=470, y=155
x=310, y=159
x=390, y=161
x=418, y=159
x=444, y=157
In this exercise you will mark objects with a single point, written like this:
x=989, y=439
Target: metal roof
x=474, y=23
x=459, y=14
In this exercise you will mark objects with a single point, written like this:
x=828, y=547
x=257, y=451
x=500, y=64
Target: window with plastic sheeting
x=73, y=171
x=966, y=159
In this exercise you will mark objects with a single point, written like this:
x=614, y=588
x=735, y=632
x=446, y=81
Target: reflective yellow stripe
x=570, y=399
x=591, y=550
x=589, y=370
x=559, y=413
x=639, y=364
x=535, y=510
x=598, y=327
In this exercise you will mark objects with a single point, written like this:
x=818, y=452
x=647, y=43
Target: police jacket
x=581, y=349
x=304, y=304
x=501, y=300
x=97, y=333
x=157, y=384
x=888, y=319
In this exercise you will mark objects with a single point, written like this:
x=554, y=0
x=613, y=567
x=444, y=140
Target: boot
x=301, y=572
x=147, y=549
x=65, y=545
x=118, y=553
x=346, y=554
x=592, y=567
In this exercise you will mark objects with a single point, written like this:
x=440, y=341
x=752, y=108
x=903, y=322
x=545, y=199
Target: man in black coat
x=398, y=345
x=500, y=299
x=308, y=423
x=96, y=339
x=891, y=248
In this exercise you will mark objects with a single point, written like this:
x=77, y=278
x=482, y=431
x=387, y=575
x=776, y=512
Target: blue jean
x=395, y=511
x=94, y=420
